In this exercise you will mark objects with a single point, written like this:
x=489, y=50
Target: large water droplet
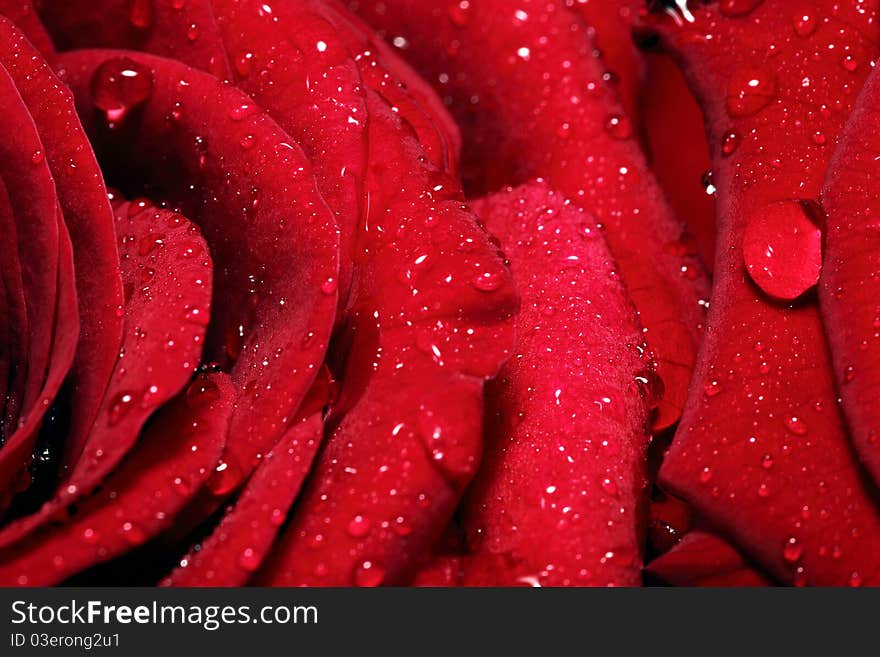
x=120, y=85
x=782, y=249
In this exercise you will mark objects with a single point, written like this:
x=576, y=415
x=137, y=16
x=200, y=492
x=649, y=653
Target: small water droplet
x=368, y=574
x=805, y=24
x=90, y=535
x=249, y=560
x=132, y=533
x=487, y=281
x=140, y=13
x=225, y=478
x=796, y=425
x=729, y=143
x=736, y=8
x=705, y=475
x=359, y=526
x=750, y=90
x=792, y=551
x=460, y=13
x=618, y=126
x=120, y=405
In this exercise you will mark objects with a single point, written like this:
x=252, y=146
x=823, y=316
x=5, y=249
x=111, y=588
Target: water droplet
x=460, y=13
x=609, y=486
x=705, y=475
x=805, y=24
x=203, y=390
x=196, y=316
x=90, y=536
x=244, y=64
x=782, y=249
x=329, y=286
x=618, y=126
x=729, y=143
x=225, y=478
x=149, y=243
x=120, y=85
x=735, y=8
x=133, y=534
x=38, y=157
x=368, y=574
x=359, y=526
x=749, y=91
x=487, y=281
x=241, y=112
x=796, y=425
x=121, y=404
x=277, y=517
x=140, y=13
x=792, y=551
x=249, y=560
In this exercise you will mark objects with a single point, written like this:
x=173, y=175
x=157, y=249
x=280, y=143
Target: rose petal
x=273, y=240
x=762, y=452
x=89, y=220
x=431, y=320
x=573, y=132
x=704, y=559
x=34, y=207
x=850, y=289
x=140, y=499
x=242, y=539
x=166, y=269
x=567, y=417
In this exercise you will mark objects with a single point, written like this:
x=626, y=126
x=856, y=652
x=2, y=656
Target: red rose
x=327, y=325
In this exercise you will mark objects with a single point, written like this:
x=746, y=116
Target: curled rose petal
x=140, y=499
x=316, y=97
x=762, y=453
x=850, y=285
x=166, y=270
x=567, y=417
x=244, y=536
x=88, y=219
x=573, y=132
x=39, y=280
x=704, y=559
x=431, y=320
x=272, y=237
x=31, y=228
